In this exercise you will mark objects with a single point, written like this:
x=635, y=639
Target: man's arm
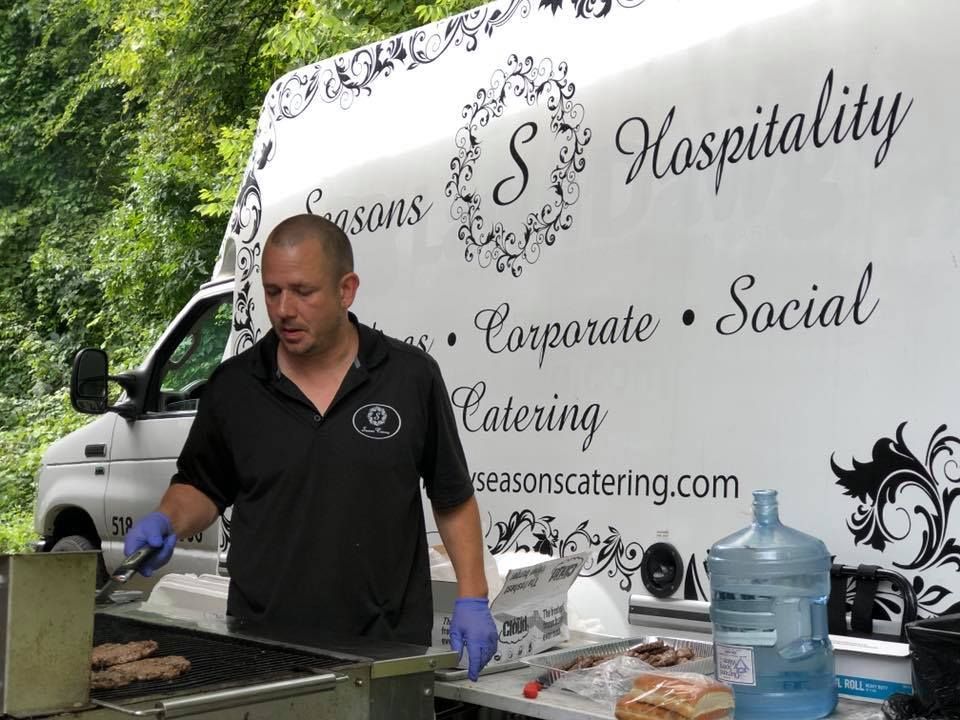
x=203, y=484
x=189, y=510
x=443, y=468
x=460, y=531
x=183, y=511
x=472, y=626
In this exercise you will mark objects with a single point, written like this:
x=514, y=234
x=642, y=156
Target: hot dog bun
x=684, y=697
x=636, y=710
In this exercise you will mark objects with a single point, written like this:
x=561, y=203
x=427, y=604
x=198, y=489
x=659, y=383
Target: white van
x=97, y=480
x=666, y=253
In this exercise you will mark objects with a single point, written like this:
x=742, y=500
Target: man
x=318, y=436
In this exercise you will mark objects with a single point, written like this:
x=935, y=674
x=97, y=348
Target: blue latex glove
x=156, y=531
x=472, y=625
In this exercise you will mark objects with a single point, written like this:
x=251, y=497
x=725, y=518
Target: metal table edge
x=431, y=662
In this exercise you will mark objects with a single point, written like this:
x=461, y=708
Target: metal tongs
x=124, y=572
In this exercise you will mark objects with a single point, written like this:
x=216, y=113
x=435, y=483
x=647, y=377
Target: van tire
x=79, y=543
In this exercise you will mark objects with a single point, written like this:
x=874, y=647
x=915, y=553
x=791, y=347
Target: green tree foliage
x=125, y=126
x=15, y=531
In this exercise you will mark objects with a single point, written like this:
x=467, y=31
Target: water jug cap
x=765, y=507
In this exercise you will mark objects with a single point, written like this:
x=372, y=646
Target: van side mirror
x=88, y=385
x=88, y=382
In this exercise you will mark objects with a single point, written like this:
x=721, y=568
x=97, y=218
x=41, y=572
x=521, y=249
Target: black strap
x=861, y=619
x=837, y=603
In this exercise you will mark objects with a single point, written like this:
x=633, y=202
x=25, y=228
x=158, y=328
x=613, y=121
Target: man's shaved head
x=336, y=245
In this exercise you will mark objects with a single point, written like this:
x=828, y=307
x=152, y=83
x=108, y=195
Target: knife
x=124, y=571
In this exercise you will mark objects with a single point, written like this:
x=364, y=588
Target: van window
x=185, y=372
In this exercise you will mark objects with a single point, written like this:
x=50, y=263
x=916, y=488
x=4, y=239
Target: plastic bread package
x=675, y=696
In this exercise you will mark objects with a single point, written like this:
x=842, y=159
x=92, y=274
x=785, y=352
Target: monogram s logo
x=376, y=421
x=488, y=240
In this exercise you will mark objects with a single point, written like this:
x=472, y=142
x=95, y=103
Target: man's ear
x=348, y=289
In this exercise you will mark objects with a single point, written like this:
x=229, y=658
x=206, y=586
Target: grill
x=237, y=669
x=217, y=661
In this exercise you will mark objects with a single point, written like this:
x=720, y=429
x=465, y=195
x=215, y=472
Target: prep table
x=504, y=691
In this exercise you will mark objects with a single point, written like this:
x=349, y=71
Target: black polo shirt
x=327, y=526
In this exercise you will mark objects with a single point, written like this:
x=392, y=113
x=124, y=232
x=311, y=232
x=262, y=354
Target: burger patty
x=160, y=668
x=108, y=679
x=109, y=654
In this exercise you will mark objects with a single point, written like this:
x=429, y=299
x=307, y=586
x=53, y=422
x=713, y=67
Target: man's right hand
x=156, y=531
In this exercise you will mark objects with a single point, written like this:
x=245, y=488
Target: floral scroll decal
x=524, y=532
x=349, y=76
x=243, y=228
x=589, y=8
x=905, y=503
x=692, y=584
x=224, y=533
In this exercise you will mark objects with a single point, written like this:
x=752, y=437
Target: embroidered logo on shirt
x=376, y=421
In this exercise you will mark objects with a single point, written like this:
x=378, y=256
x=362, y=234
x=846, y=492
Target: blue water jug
x=769, y=587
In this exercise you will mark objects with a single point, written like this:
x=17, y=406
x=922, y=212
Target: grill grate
x=217, y=661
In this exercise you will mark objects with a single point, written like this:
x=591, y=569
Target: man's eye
x=271, y=292
x=304, y=292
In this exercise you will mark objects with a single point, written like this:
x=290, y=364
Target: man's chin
x=299, y=346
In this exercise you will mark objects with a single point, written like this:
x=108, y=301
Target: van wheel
x=78, y=543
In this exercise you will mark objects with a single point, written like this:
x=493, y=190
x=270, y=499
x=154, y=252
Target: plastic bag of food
x=675, y=696
x=605, y=681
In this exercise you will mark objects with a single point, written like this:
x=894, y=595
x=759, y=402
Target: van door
x=145, y=451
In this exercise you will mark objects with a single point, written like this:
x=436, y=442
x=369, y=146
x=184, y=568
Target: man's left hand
x=472, y=625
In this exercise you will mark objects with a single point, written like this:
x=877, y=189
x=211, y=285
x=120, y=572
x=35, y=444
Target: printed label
x=868, y=688
x=735, y=665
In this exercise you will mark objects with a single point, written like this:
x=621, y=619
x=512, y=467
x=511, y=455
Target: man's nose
x=286, y=305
